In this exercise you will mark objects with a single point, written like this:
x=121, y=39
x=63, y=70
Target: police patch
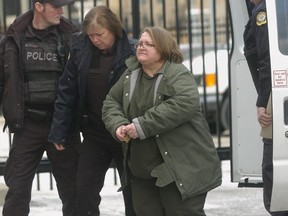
x=261, y=18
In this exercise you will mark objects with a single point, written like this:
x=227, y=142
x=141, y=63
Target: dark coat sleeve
x=66, y=104
x=256, y=51
x=1, y=68
x=262, y=44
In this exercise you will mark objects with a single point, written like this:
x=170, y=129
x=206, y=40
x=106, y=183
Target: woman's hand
x=131, y=131
x=59, y=147
x=120, y=133
x=125, y=132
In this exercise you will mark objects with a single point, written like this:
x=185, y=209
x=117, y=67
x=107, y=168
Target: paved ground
x=226, y=200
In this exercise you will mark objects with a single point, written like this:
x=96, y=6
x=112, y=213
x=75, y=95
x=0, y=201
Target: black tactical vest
x=42, y=67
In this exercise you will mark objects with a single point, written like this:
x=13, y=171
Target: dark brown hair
x=103, y=16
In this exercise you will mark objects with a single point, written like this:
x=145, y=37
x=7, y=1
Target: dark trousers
x=150, y=200
x=26, y=152
x=98, y=150
x=267, y=175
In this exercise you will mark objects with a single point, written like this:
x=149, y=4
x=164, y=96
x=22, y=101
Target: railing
x=204, y=27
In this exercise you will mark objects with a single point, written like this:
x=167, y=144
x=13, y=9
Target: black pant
x=150, y=200
x=267, y=175
x=97, y=152
x=26, y=152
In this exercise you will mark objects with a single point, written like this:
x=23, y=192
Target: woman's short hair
x=103, y=16
x=165, y=44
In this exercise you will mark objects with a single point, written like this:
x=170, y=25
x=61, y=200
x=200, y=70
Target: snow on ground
x=226, y=200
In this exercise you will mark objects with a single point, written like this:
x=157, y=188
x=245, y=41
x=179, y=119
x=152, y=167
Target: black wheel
x=225, y=114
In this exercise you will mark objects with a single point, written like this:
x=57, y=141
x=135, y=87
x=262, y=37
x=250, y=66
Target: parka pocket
x=164, y=92
x=163, y=175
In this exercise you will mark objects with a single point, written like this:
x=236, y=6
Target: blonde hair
x=103, y=16
x=165, y=44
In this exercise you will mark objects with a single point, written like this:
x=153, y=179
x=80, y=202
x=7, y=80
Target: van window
x=282, y=25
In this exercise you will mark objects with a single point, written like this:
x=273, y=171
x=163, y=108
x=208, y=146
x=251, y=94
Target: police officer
x=256, y=51
x=33, y=52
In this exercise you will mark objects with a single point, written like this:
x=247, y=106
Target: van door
x=247, y=147
x=277, y=13
x=246, y=143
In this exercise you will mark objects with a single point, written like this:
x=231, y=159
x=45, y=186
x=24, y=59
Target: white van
x=214, y=87
x=247, y=146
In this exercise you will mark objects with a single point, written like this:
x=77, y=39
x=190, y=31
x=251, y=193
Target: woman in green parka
x=154, y=110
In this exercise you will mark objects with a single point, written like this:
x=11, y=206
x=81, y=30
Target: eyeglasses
x=144, y=45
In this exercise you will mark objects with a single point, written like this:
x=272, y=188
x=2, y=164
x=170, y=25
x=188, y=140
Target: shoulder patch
x=261, y=18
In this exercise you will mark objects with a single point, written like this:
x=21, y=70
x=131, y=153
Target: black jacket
x=11, y=75
x=70, y=105
x=256, y=50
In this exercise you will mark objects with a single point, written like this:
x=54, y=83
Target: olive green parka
x=177, y=125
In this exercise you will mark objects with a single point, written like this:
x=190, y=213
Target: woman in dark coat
x=97, y=60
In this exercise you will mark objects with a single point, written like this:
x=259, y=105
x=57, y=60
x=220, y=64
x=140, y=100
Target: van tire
x=225, y=114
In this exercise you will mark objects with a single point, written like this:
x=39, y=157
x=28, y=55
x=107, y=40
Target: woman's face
x=101, y=37
x=146, y=52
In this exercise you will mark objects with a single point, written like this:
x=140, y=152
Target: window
x=282, y=25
